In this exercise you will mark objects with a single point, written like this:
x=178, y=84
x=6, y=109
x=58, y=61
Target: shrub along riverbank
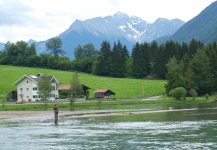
x=96, y=104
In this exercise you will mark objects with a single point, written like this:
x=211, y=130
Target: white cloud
x=43, y=19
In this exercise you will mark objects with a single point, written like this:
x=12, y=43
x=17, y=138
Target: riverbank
x=34, y=115
x=25, y=115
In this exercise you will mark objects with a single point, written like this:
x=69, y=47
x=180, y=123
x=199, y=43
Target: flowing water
x=183, y=128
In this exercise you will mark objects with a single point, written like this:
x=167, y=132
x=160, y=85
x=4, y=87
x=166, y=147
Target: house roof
x=104, y=91
x=66, y=87
x=37, y=78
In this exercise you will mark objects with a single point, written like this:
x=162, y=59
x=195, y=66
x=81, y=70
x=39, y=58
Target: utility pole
x=143, y=91
x=4, y=92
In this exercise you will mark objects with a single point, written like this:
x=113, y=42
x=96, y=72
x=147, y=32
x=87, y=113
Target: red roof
x=64, y=87
x=103, y=91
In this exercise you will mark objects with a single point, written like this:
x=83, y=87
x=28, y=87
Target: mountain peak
x=120, y=15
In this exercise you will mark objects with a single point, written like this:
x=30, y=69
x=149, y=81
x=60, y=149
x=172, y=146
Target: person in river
x=56, y=111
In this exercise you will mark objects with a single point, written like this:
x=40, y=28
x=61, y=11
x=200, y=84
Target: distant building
x=27, y=87
x=103, y=93
x=84, y=88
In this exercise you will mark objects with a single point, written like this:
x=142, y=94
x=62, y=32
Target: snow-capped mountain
x=120, y=26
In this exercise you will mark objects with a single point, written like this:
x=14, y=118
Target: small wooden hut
x=84, y=87
x=103, y=93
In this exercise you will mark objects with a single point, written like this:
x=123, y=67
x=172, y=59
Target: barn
x=103, y=93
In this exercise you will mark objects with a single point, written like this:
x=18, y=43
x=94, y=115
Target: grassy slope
x=124, y=88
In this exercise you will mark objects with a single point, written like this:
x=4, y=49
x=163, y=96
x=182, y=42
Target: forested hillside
x=203, y=27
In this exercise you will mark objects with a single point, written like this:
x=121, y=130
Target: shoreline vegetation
x=81, y=105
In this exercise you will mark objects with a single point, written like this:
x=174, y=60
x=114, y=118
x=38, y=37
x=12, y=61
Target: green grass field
x=123, y=87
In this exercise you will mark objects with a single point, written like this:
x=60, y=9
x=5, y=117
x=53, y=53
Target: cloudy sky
x=43, y=19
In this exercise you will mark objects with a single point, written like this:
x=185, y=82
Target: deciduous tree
x=54, y=45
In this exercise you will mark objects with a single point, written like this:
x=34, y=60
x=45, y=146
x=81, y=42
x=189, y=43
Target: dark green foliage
x=141, y=60
x=160, y=62
x=54, y=45
x=118, y=60
x=202, y=72
x=193, y=93
x=103, y=64
x=136, y=61
x=178, y=93
x=85, y=57
x=87, y=51
x=188, y=73
x=174, y=75
x=193, y=47
x=213, y=64
x=63, y=94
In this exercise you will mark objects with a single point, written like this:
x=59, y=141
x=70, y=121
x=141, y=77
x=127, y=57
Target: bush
x=178, y=93
x=207, y=96
x=193, y=93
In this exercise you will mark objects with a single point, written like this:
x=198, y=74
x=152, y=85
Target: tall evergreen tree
x=153, y=56
x=103, y=65
x=194, y=46
x=160, y=62
x=213, y=64
x=136, y=64
x=188, y=73
x=118, y=60
x=146, y=58
x=174, y=75
x=202, y=72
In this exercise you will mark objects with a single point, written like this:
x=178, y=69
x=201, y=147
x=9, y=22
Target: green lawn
x=123, y=87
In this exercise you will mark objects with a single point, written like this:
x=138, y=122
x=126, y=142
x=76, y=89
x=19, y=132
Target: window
x=27, y=89
x=53, y=88
x=35, y=96
x=27, y=81
x=35, y=89
x=21, y=89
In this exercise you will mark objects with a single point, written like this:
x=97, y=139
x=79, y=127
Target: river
x=189, y=126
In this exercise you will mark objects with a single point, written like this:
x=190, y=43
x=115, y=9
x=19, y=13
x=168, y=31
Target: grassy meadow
x=123, y=87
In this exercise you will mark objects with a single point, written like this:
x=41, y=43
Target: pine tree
x=118, y=60
x=213, y=64
x=103, y=65
x=188, y=73
x=174, y=75
x=202, y=72
x=136, y=64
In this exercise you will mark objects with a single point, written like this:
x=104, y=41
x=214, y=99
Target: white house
x=27, y=87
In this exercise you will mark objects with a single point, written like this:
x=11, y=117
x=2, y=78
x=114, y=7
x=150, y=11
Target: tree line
x=149, y=60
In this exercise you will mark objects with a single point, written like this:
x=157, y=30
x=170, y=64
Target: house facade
x=27, y=87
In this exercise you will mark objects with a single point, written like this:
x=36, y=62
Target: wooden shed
x=84, y=87
x=103, y=93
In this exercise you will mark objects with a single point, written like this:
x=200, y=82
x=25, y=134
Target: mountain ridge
x=202, y=27
x=120, y=26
